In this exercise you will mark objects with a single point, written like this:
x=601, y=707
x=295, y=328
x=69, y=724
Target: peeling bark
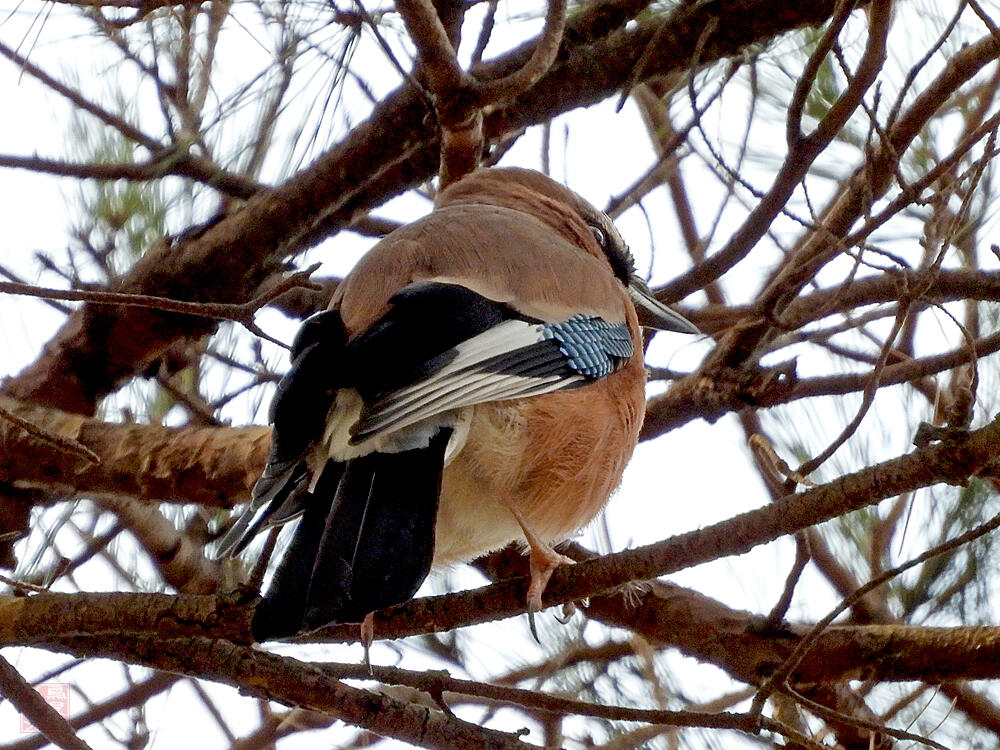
x=211, y=466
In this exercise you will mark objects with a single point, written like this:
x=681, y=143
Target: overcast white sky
x=685, y=480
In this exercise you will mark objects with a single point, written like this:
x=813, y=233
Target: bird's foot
x=367, y=636
x=542, y=563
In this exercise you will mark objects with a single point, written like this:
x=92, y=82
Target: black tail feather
x=366, y=541
x=280, y=613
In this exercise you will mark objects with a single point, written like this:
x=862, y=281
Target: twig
x=867, y=394
x=666, y=150
x=11, y=276
x=829, y=713
x=802, y=557
x=390, y=55
x=22, y=585
x=45, y=718
x=903, y=372
x=795, y=166
x=542, y=57
x=915, y=70
x=164, y=161
x=638, y=70
x=984, y=17
x=793, y=123
x=485, y=32
x=256, y=578
x=241, y=312
x=77, y=99
x=776, y=468
x=63, y=443
x=137, y=694
x=441, y=681
x=778, y=680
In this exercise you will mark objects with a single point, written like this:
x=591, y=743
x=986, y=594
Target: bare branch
x=27, y=700
x=435, y=56
x=542, y=57
x=61, y=442
x=215, y=467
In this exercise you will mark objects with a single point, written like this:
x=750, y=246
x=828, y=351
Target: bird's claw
x=568, y=610
x=543, y=562
x=531, y=625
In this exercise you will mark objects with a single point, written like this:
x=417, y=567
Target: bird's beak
x=653, y=313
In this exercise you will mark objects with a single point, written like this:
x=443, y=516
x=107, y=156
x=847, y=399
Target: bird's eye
x=600, y=235
x=615, y=251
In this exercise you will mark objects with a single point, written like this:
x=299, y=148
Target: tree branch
x=45, y=718
x=47, y=618
x=215, y=467
x=97, y=350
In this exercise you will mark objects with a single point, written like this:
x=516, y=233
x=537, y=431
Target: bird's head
x=581, y=223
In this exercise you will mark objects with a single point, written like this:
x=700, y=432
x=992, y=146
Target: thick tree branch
x=710, y=397
x=952, y=461
x=298, y=683
x=47, y=618
x=395, y=149
x=460, y=118
x=215, y=467
x=666, y=615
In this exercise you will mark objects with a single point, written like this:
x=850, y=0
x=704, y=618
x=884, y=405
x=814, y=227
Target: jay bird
x=477, y=379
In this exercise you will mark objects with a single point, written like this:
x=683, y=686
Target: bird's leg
x=367, y=636
x=542, y=563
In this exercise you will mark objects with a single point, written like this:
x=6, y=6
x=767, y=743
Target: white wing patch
x=468, y=380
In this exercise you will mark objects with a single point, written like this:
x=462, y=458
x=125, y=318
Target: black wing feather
x=426, y=323
x=366, y=540
x=298, y=412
